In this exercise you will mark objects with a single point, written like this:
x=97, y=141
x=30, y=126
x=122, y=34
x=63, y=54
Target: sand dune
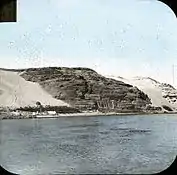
x=155, y=90
x=17, y=92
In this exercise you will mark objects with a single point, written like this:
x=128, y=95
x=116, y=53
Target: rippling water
x=104, y=144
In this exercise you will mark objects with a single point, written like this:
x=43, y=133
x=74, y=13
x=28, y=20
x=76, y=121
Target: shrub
x=167, y=108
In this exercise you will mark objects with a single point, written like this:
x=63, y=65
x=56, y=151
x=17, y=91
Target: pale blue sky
x=119, y=37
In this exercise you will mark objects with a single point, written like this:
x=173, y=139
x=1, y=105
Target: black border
x=4, y=7
x=172, y=4
x=5, y=172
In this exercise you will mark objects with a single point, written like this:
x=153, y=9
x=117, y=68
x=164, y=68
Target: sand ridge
x=16, y=92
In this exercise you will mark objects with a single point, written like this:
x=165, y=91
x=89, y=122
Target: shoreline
x=87, y=114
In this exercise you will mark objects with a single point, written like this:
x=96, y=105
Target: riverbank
x=85, y=114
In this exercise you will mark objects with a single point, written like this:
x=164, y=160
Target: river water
x=91, y=145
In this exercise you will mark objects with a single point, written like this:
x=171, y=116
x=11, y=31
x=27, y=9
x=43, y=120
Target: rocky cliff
x=85, y=89
x=161, y=94
x=170, y=94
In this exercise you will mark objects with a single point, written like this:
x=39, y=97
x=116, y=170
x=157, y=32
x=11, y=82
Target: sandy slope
x=154, y=89
x=17, y=92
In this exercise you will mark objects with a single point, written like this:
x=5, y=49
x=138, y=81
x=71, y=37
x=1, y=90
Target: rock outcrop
x=85, y=89
x=161, y=94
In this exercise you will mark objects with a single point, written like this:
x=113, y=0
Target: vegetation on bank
x=167, y=108
x=57, y=109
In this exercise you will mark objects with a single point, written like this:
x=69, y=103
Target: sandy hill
x=16, y=92
x=159, y=93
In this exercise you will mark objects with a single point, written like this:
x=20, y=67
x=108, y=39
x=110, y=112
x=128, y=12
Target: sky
x=114, y=37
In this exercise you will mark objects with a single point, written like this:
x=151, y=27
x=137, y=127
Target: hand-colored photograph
x=88, y=87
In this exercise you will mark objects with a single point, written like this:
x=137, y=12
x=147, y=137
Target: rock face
x=161, y=94
x=85, y=89
x=170, y=94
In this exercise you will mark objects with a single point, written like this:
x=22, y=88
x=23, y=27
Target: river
x=91, y=145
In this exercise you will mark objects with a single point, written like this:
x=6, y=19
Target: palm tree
x=39, y=105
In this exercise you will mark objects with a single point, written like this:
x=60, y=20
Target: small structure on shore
x=51, y=112
x=16, y=113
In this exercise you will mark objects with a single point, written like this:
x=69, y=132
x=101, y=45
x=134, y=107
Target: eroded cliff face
x=170, y=94
x=85, y=89
x=161, y=94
